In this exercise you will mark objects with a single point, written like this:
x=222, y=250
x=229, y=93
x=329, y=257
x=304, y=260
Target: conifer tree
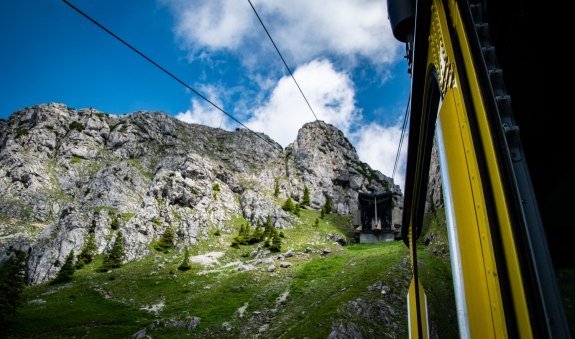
x=66, y=272
x=12, y=282
x=115, y=222
x=115, y=256
x=268, y=227
x=288, y=205
x=88, y=252
x=276, y=244
x=166, y=242
x=276, y=188
x=327, y=204
x=259, y=223
x=306, y=199
x=185, y=265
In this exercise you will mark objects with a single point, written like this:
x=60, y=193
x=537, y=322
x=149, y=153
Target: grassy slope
x=318, y=289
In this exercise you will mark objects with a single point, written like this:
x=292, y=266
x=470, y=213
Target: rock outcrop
x=434, y=195
x=326, y=162
x=75, y=172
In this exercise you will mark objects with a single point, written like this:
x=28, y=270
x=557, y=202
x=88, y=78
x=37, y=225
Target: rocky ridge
x=65, y=173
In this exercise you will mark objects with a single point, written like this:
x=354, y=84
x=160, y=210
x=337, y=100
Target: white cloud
x=302, y=29
x=330, y=94
x=203, y=113
x=212, y=24
x=377, y=145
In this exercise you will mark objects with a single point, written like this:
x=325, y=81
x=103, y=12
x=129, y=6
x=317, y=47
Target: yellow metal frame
x=412, y=305
x=484, y=300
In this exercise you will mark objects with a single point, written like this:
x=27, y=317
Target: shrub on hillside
x=78, y=126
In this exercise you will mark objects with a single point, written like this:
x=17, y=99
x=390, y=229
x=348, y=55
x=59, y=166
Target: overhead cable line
x=164, y=70
x=281, y=56
x=401, y=138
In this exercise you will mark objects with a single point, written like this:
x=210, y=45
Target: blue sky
x=342, y=54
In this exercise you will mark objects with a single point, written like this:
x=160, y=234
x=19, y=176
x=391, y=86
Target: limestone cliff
x=67, y=172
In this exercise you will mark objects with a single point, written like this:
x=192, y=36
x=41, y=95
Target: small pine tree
x=245, y=229
x=115, y=257
x=185, y=265
x=276, y=188
x=276, y=245
x=268, y=227
x=316, y=223
x=93, y=226
x=327, y=204
x=296, y=209
x=12, y=283
x=306, y=199
x=66, y=272
x=322, y=213
x=87, y=254
x=115, y=222
x=243, y=236
x=288, y=206
x=256, y=236
x=166, y=242
x=265, y=233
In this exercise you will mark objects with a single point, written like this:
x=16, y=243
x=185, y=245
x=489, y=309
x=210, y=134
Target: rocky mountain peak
x=67, y=173
x=326, y=138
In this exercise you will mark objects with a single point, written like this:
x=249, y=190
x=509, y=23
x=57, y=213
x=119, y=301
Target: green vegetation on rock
x=115, y=222
x=76, y=125
x=276, y=187
x=21, y=132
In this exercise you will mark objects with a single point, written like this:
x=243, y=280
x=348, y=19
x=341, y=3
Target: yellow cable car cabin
x=506, y=197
